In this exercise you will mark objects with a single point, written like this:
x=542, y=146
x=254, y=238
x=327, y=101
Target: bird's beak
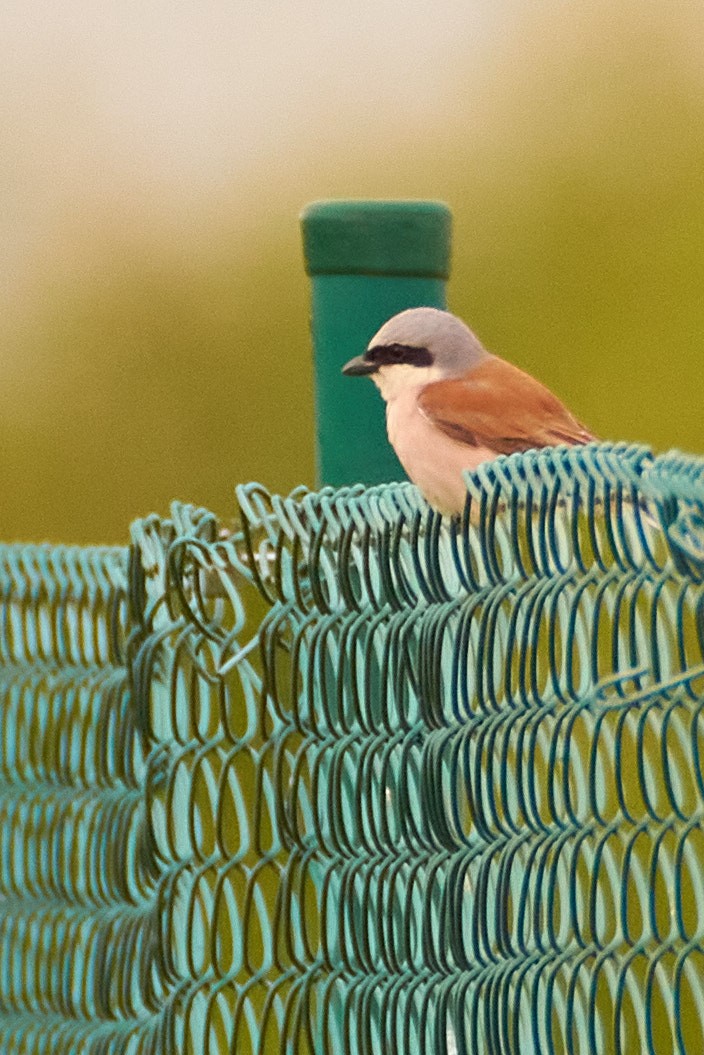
x=359, y=366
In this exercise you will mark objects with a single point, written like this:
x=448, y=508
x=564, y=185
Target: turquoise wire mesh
x=354, y=779
x=72, y=822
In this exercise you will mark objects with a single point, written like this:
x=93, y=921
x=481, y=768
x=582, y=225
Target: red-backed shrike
x=450, y=404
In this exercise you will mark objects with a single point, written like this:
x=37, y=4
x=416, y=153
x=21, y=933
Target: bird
x=451, y=404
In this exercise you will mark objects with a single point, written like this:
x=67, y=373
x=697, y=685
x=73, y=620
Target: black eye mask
x=388, y=354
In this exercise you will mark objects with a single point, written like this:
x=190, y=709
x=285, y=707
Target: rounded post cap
x=377, y=238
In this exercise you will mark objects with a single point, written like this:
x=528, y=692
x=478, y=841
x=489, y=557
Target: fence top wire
x=544, y=513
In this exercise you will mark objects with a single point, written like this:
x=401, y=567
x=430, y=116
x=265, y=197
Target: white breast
x=433, y=461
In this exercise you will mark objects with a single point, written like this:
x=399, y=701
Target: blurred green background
x=154, y=308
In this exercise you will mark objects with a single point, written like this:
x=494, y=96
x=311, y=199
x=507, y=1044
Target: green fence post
x=367, y=260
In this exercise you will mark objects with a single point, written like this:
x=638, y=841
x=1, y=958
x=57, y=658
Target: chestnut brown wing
x=498, y=406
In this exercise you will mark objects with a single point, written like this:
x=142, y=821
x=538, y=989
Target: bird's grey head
x=417, y=346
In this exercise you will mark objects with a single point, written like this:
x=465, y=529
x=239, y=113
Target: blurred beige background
x=154, y=330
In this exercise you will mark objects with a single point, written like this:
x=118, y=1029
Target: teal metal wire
x=354, y=778
x=74, y=871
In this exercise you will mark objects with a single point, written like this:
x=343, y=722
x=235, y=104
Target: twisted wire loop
x=213, y=771
x=351, y=778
